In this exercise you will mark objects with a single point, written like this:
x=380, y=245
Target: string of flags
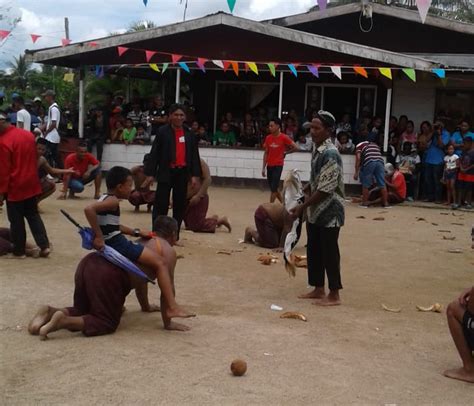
x=34, y=37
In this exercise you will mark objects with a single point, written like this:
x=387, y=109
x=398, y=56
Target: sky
x=90, y=19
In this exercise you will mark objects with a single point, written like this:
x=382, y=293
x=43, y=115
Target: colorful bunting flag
x=226, y=65
x=235, y=67
x=175, y=58
x=423, y=7
x=155, y=67
x=361, y=71
x=65, y=42
x=387, y=72
x=231, y=4
x=253, y=67
x=93, y=44
x=121, y=50
x=145, y=2
x=410, y=73
x=314, y=70
x=34, y=37
x=218, y=63
x=271, y=66
x=201, y=62
x=99, y=71
x=184, y=66
x=322, y=4
x=293, y=69
x=444, y=81
x=337, y=71
x=149, y=55
x=441, y=73
x=68, y=77
x=165, y=66
x=4, y=34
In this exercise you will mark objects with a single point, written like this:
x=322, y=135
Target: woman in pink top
x=409, y=135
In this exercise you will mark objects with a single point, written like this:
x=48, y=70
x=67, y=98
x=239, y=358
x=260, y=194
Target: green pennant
x=410, y=73
x=231, y=4
x=165, y=66
x=271, y=66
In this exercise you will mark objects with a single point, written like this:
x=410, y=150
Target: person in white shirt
x=408, y=163
x=451, y=166
x=51, y=128
x=23, y=118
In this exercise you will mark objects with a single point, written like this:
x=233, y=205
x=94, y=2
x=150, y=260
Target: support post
x=81, y=102
x=280, y=95
x=178, y=85
x=388, y=108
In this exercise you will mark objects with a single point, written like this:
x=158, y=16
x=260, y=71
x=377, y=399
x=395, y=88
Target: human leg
x=16, y=216
x=273, y=177
x=195, y=217
x=268, y=236
x=36, y=225
x=250, y=235
x=430, y=182
x=180, y=179
x=75, y=186
x=162, y=201
x=438, y=187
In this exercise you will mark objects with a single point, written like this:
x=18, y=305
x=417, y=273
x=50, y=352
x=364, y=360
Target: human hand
x=195, y=182
x=70, y=171
x=98, y=243
x=356, y=176
x=296, y=212
x=62, y=196
x=465, y=296
x=194, y=200
x=151, y=308
x=86, y=175
x=263, y=173
x=148, y=182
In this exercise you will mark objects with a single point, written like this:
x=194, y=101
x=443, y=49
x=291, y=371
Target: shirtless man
x=101, y=289
x=141, y=195
x=198, y=204
x=273, y=224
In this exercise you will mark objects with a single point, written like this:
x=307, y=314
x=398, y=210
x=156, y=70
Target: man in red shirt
x=87, y=169
x=20, y=186
x=396, y=187
x=276, y=145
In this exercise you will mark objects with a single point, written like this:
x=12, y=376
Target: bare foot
x=316, y=293
x=327, y=301
x=53, y=325
x=62, y=196
x=460, y=374
x=97, y=196
x=44, y=253
x=178, y=312
x=225, y=222
x=33, y=252
x=42, y=316
x=172, y=326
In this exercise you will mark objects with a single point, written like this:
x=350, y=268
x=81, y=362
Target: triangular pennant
x=149, y=55
x=65, y=42
x=361, y=71
x=121, y=50
x=271, y=66
x=99, y=71
x=293, y=69
x=231, y=4
x=253, y=67
x=218, y=63
x=423, y=7
x=322, y=4
x=201, y=63
x=165, y=66
x=35, y=37
x=93, y=44
x=175, y=58
x=145, y=2
x=444, y=81
x=441, y=73
x=155, y=67
x=184, y=66
x=387, y=72
x=314, y=70
x=410, y=73
x=4, y=34
x=226, y=65
x=337, y=71
x=235, y=67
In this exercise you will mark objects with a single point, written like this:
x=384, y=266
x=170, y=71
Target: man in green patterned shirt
x=324, y=205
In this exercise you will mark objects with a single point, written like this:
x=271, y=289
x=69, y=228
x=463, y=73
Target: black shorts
x=468, y=329
x=273, y=177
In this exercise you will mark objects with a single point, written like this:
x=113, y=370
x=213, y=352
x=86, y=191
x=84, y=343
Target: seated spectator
x=345, y=124
x=194, y=128
x=248, y=137
x=402, y=124
x=426, y=131
x=142, y=137
x=344, y=144
x=393, y=148
x=465, y=182
x=362, y=134
x=203, y=135
x=141, y=195
x=409, y=135
x=451, y=166
x=224, y=137
x=392, y=127
x=408, y=163
x=249, y=122
x=115, y=119
x=457, y=138
x=396, y=187
x=6, y=245
x=233, y=124
x=137, y=115
x=129, y=132
x=304, y=142
x=86, y=169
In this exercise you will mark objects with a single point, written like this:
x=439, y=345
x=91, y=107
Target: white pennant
x=423, y=7
x=218, y=63
x=337, y=71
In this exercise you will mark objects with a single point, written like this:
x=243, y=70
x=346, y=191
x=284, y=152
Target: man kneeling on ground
x=87, y=169
x=396, y=187
x=273, y=224
x=101, y=289
x=141, y=195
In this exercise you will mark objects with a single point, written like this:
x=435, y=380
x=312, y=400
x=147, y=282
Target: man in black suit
x=174, y=159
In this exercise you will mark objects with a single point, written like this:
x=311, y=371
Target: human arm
x=465, y=296
x=5, y=171
x=90, y=170
x=265, y=157
x=54, y=120
x=55, y=171
x=205, y=183
x=291, y=147
x=357, y=164
x=151, y=165
x=109, y=204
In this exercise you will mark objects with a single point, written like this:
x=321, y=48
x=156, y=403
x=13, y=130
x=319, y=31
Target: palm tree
x=141, y=26
x=20, y=71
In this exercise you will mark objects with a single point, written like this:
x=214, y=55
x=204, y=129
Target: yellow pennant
x=253, y=67
x=387, y=72
x=155, y=67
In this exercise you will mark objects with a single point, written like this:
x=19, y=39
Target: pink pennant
x=226, y=65
x=423, y=7
x=93, y=44
x=201, y=63
x=65, y=42
x=4, y=34
x=322, y=4
x=34, y=37
x=175, y=58
x=149, y=55
x=121, y=50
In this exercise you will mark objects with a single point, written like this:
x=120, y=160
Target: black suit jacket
x=163, y=152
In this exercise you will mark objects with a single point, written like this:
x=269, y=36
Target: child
x=407, y=163
x=344, y=143
x=465, y=183
x=142, y=136
x=104, y=218
x=129, y=132
x=451, y=165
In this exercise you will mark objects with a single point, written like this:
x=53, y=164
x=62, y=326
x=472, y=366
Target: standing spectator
x=137, y=115
x=35, y=121
x=425, y=132
x=276, y=146
x=324, y=203
x=451, y=166
x=23, y=118
x=409, y=135
x=434, y=162
x=457, y=139
x=408, y=163
x=158, y=115
x=20, y=186
x=37, y=105
x=51, y=128
x=225, y=137
x=98, y=129
x=465, y=181
x=174, y=158
x=402, y=124
x=392, y=127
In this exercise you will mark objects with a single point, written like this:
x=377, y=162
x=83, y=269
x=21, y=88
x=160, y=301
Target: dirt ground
x=356, y=353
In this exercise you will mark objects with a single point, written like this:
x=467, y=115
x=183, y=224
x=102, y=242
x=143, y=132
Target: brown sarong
x=268, y=234
x=195, y=217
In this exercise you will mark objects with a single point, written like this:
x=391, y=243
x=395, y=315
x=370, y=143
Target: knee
x=453, y=309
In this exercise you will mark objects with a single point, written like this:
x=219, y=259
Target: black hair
x=19, y=100
x=411, y=122
x=117, y=176
x=407, y=144
x=423, y=123
x=175, y=107
x=165, y=226
x=277, y=121
x=343, y=133
x=140, y=125
x=394, y=118
x=82, y=144
x=41, y=141
x=403, y=116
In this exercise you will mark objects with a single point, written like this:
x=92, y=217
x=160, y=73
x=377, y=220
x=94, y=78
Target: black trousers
x=17, y=212
x=179, y=184
x=98, y=141
x=53, y=154
x=323, y=256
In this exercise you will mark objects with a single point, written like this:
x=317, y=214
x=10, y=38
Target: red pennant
x=4, y=34
x=235, y=67
x=93, y=44
x=121, y=50
x=34, y=37
x=175, y=58
x=65, y=42
x=149, y=55
x=226, y=65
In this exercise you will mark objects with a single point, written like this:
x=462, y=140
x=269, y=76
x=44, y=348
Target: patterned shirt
x=327, y=177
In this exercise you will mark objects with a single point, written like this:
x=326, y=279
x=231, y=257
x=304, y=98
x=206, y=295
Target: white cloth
x=450, y=161
x=24, y=117
x=53, y=115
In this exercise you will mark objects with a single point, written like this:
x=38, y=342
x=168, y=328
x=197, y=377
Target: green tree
x=20, y=71
x=141, y=26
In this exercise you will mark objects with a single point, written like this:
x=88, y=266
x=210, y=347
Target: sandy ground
x=356, y=353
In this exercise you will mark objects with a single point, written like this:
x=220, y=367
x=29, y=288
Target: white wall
x=227, y=163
